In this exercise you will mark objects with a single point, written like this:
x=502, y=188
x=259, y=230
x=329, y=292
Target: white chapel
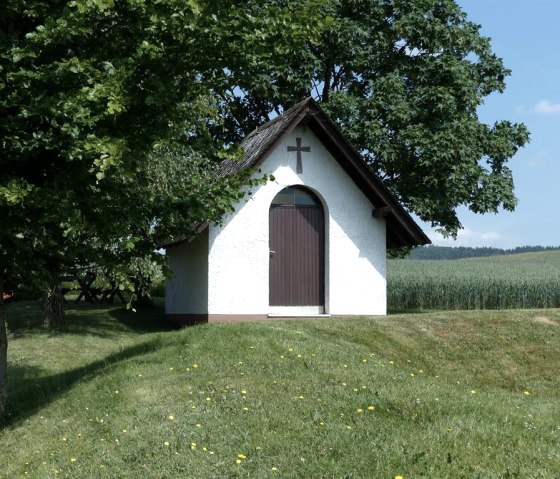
x=311, y=242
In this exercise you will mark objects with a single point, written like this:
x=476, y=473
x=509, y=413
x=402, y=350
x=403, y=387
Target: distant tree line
x=458, y=252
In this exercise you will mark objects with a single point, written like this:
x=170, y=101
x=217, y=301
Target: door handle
x=272, y=253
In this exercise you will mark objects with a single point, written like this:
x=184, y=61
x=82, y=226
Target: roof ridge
x=290, y=111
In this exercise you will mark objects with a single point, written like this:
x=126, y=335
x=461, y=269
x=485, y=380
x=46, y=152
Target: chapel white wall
x=238, y=257
x=186, y=292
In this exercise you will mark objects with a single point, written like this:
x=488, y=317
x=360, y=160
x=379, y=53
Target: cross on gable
x=298, y=149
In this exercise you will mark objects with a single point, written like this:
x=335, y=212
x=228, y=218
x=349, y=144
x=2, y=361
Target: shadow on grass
x=99, y=320
x=148, y=320
x=29, y=391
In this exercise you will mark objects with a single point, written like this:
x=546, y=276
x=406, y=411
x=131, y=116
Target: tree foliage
x=110, y=131
x=403, y=79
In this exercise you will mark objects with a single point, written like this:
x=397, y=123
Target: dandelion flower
x=241, y=456
x=244, y=392
x=370, y=408
x=360, y=410
x=238, y=461
x=348, y=427
x=171, y=417
x=399, y=477
x=526, y=393
x=73, y=459
x=473, y=391
x=274, y=469
x=391, y=362
x=195, y=366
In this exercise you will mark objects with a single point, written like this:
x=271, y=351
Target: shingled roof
x=402, y=230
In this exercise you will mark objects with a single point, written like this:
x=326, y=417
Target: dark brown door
x=297, y=254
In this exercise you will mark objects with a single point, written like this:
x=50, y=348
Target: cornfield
x=530, y=280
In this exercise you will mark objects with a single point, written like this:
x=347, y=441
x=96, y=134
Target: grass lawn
x=462, y=394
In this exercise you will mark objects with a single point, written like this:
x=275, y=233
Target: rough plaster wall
x=239, y=249
x=187, y=291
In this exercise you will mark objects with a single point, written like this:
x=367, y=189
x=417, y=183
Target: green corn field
x=530, y=280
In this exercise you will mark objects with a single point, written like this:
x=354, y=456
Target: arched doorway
x=297, y=249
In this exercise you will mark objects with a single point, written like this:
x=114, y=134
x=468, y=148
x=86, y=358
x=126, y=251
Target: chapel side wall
x=355, y=249
x=186, y=292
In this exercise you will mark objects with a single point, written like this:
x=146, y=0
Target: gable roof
x=402, y=230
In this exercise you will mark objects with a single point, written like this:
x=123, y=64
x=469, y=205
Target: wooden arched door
x=297, y=249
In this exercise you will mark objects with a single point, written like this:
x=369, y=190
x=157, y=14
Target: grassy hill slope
x=446, y=395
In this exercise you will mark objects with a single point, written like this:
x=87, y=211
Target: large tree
x=403, y=79
x=110, y=132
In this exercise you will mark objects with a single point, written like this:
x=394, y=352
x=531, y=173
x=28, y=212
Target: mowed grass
x=528, y=280
x=440, y=395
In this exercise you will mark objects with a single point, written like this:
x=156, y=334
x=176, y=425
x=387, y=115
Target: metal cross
x=298, y=149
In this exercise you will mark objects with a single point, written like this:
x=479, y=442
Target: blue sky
x=525, y=34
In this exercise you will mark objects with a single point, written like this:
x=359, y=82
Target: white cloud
x=467, y=237
x=547, y=107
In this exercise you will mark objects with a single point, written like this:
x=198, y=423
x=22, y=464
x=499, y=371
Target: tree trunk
x=142, y=293
x=3, y=356
x=53, y=307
